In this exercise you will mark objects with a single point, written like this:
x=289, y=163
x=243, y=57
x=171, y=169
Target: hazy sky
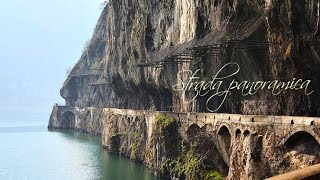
x=39, y=41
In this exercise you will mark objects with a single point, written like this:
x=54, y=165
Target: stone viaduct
x=87, y=119
x=226, y=127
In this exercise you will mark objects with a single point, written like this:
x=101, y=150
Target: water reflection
x=32, y=152
x=115, y=167
x=109, y=166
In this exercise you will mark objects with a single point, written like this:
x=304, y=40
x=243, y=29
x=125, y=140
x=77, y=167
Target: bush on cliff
x=167, y=129
x=191, y=166
x=163, y=121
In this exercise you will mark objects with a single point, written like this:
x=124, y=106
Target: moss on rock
x=134, y=149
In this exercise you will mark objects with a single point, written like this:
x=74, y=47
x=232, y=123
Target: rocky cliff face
x=268, y=39
x=174, y=146
x=130, y=32
x=163, y=144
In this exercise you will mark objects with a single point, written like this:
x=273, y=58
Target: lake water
x=29, y=151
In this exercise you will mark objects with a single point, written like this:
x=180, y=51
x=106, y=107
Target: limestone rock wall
x=162, y=144
x=132, y=31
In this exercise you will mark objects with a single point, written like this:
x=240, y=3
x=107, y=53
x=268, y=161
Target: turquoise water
x=29, y=151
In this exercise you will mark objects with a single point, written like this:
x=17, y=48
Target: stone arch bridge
x=226, y=128
x=233, y=125
x=87, y=119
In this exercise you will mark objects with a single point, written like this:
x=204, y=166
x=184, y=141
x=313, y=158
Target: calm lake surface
x=29, y=151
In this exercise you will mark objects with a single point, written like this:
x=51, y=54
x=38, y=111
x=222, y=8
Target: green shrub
x=191, y=166
x=164, y=121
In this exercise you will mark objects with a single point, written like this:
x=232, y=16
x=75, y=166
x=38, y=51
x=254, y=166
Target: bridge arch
x=224, y=138
x=238, y=133
x=246, y=133
x=69, y=120
x=224, y=125
x=193, y=129
x=197, y=122
x=300, y=131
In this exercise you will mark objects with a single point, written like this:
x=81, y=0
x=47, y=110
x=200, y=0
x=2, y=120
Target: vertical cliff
x=134, y=58
x=130, y=32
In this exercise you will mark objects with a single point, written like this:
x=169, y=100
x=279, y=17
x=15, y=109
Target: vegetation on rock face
x=191, y=166
x=135, y=146
x=167, y=131
x=167, y=153
x=129, y=138
x=164, y=130
x=148, y=155
x=182, y=163
x=213, y=175
x=163, y=121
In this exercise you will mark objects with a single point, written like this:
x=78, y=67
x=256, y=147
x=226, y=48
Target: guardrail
x=308, y=173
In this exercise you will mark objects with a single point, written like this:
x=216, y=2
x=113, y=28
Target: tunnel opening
x=69, y=120
x=225, y=137
x=304, y=143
